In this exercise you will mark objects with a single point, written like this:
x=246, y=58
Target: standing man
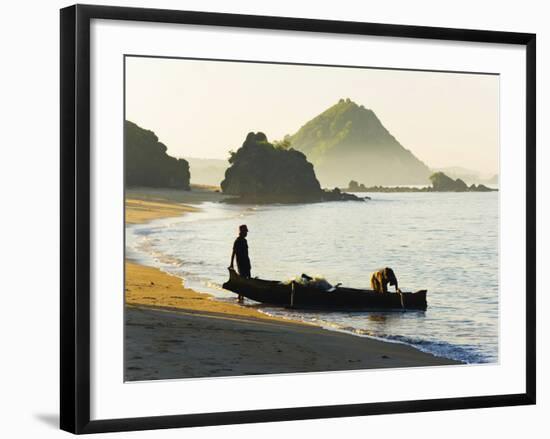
x=240, y=250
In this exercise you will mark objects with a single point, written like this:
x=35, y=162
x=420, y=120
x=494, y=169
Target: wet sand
x=175, y=332
x=148, y=286
x=147, y=204
x=186, y=344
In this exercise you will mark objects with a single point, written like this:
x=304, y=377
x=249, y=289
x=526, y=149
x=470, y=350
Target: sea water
x=446, y=243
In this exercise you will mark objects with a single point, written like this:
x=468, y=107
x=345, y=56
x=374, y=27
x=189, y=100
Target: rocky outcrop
x=262, y=172
x=440, y=183
x=147, y=163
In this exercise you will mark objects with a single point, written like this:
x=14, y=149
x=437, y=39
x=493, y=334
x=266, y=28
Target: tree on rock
x=263, y=172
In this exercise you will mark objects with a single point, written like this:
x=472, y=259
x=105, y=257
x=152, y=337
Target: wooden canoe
x=296, y=295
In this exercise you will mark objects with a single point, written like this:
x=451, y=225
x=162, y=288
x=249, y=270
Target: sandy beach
x=147, y=204
x=164, y=344
x=175, y=332
x=150, y=287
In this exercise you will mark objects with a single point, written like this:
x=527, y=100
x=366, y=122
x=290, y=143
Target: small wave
x=463, y=353
x=147, y=247
x=142, y=231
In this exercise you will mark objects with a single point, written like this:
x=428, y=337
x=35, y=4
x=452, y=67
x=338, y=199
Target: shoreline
x=150, y=286
x=160, y=301
x=146, y=204
x=153, y=288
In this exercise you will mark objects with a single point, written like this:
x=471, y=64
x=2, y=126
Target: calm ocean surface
x=446, y=243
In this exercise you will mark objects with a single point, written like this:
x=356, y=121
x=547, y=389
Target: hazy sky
x=205, y=108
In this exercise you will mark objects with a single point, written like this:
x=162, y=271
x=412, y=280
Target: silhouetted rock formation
x=147, y=164
x=480, y=188
x=356, y=187
x=440, y=183
x=261, y=172
x=337, y=195
x=469, y=176
x=349, y=141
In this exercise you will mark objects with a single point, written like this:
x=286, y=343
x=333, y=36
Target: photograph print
x=293, y=218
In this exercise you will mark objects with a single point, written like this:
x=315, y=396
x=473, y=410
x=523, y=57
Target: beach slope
x=165, y=344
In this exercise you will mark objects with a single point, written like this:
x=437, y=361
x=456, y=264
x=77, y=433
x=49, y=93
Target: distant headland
x=348, y=141
x=440, y=183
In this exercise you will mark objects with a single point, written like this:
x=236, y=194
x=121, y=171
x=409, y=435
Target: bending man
x=380, y=279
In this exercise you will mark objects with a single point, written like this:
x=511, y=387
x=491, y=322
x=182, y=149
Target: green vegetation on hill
x=147, y=163
x=348, y=140
x=261, y=172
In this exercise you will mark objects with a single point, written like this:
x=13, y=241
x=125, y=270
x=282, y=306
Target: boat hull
x=299, y=296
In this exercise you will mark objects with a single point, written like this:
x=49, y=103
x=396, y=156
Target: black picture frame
x=75, y=217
